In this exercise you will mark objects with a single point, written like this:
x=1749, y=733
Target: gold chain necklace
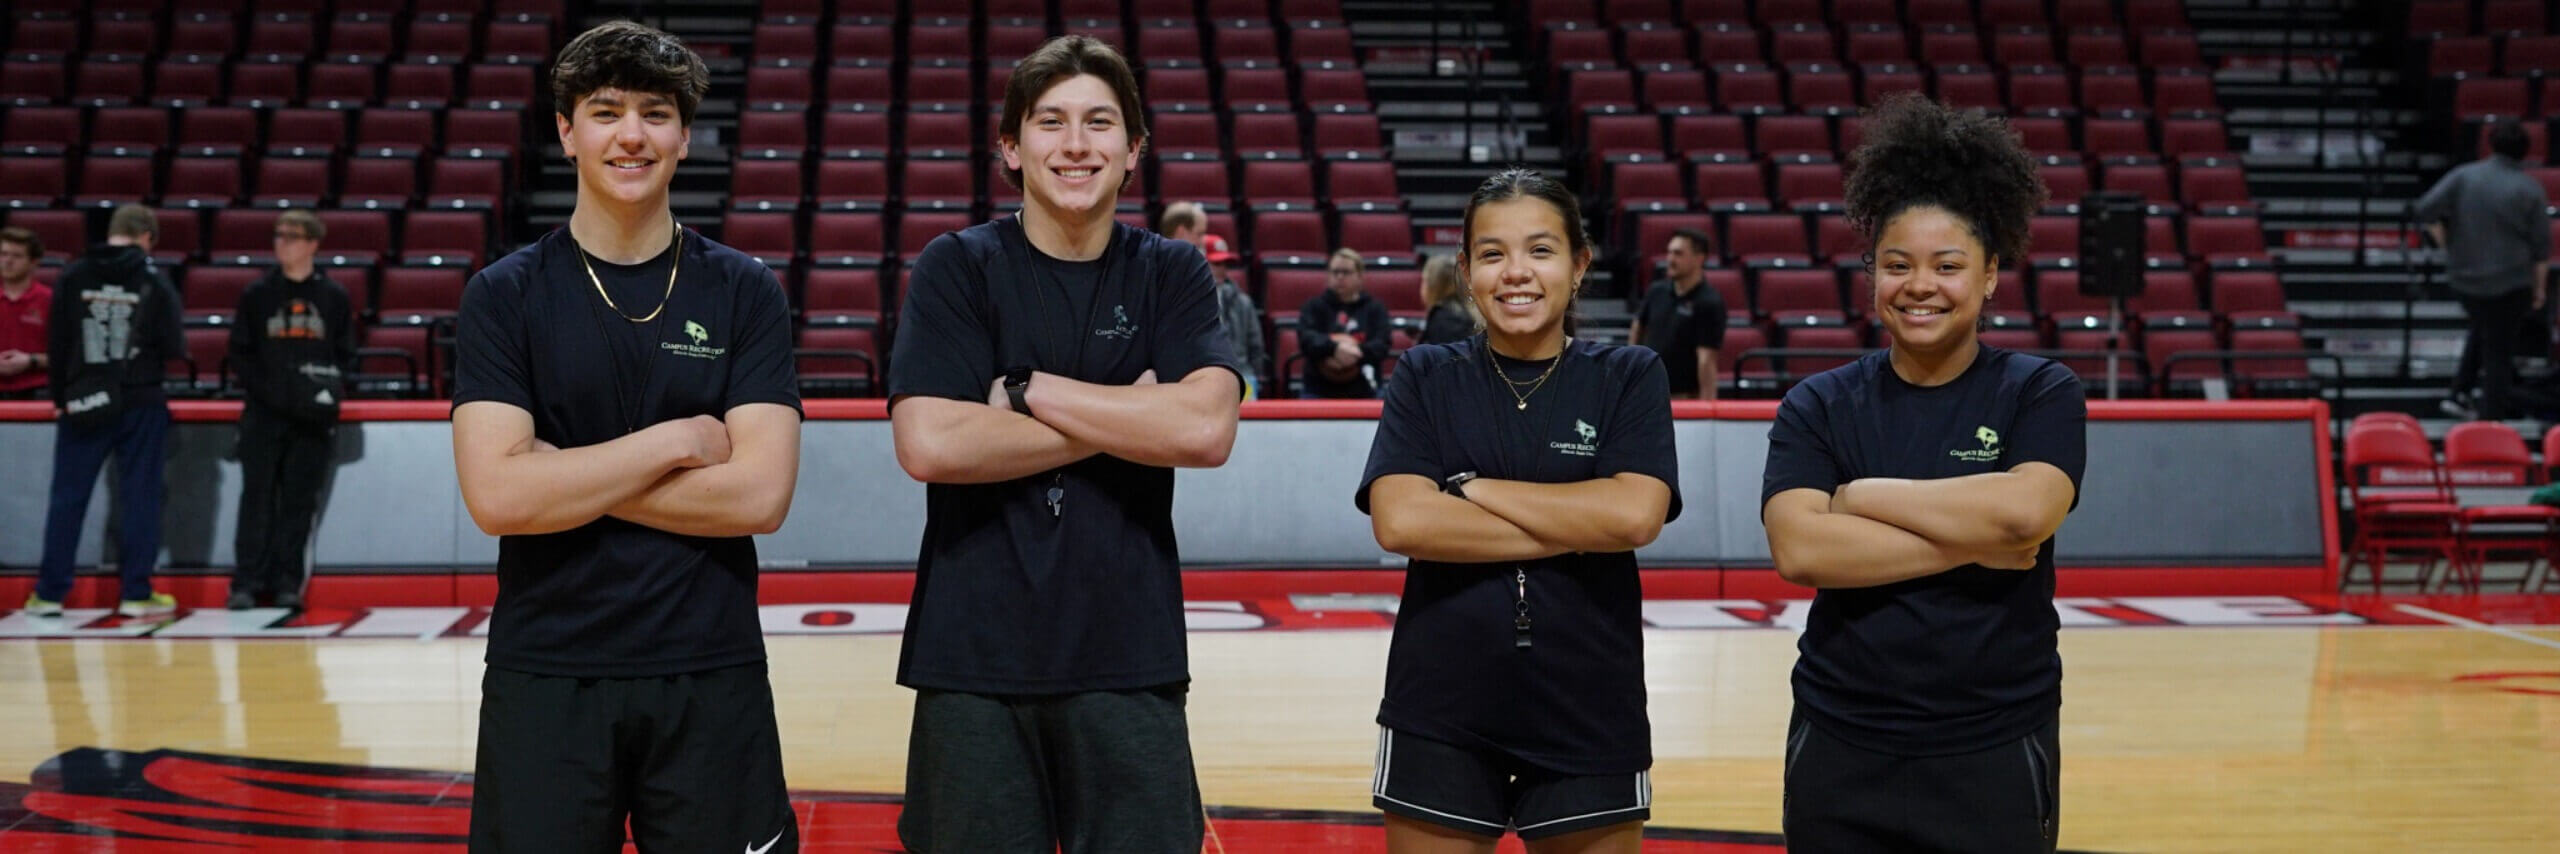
x=662, y=298
x=1514, y=385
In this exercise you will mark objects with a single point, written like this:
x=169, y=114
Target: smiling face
x=1521, y=270
x=1074, y=151
x=1932, y=277
x=626, y=145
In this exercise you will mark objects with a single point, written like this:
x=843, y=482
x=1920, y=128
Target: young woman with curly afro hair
x=1918, y=490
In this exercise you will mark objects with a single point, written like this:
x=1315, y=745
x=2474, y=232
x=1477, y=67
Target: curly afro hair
x=1921, y=152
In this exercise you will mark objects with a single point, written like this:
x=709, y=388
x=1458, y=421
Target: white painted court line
x=2468, y=623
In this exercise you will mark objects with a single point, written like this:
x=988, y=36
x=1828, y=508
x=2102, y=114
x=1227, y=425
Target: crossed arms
x=1875, y=531
x=1512, y=520
x=699, y=476
x=1189, y=424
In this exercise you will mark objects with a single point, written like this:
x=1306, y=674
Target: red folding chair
x=2490, y=453
x=2401, y=502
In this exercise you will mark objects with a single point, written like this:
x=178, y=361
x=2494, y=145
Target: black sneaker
x=2458, y=406
x=289, y=601
x=240, y=601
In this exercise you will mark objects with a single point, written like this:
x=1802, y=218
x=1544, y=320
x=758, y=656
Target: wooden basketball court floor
x=2200, y=724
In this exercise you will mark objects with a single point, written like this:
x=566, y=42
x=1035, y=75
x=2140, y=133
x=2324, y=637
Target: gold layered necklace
x=1515, y=386
x=677, y=262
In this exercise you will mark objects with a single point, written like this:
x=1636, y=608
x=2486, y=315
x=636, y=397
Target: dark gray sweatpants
x=1100, y=771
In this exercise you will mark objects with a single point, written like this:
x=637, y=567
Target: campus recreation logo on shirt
x=1990, y=451
x=1588, y=447
x=1120, y=325
x=698, y=349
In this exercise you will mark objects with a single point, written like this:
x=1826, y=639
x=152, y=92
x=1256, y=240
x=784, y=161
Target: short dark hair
x=133, y=221
x=24, y=237
x=1059, y=60
x=632, y=57
x=1919, y=152
x=2508, y=139
x=1698, y=240
x=304, y=219
x=1522, y=183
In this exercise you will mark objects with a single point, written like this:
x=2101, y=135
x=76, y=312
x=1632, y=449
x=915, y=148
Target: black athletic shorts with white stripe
x=1486, y=794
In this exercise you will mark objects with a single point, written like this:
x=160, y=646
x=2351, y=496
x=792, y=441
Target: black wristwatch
x=1453, y=483
x=1017, y=382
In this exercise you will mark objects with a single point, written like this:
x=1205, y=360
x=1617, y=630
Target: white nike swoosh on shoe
x=768, y=844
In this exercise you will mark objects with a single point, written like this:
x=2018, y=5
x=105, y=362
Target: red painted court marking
x=1257, y=602
x=2504, y=681
x=165, y=802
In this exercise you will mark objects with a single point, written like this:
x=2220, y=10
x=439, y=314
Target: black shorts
x=692, y=761
x=1098, y=772
x=1842, y=797
x=1463, y=790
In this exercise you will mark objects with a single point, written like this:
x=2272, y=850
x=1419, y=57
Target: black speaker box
x=2111, y=249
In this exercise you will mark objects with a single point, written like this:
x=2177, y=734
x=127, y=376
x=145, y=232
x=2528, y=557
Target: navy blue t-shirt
x=612, y=598
x=1573, y=702
x=1010, y=597
x=1959, y=660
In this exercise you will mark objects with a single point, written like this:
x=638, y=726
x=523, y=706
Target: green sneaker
x=153, y=605
x=41, y=608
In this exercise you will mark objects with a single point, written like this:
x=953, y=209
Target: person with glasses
x=1343, y=333
x=293, y=344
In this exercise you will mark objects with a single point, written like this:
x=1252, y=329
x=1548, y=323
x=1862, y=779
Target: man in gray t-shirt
x=2497, y=253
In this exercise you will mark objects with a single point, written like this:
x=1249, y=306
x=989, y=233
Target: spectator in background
x=293, y=347
x=113, y=327
x=1189, y=223
x=1452, y=316
x=23, y=305
x=2496, y=260
x=1236, y=312
x=1186, y=222
x=1683, y=319
x=1343, y=334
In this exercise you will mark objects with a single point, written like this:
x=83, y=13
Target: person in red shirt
x=23, y=305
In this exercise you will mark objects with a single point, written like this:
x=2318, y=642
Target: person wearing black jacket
x=114, y=322
x=1343, y=334
x=293, y=345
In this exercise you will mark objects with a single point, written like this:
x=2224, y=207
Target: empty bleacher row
x=864, y=134
x=863, y=126
x=1737, y=119
x=861, y=134
x=2492, y=68
x=402, y=122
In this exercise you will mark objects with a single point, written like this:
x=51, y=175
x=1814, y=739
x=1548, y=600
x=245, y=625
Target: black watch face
x=1017, y=376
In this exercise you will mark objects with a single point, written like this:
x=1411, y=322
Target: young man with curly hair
x=625, y=418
